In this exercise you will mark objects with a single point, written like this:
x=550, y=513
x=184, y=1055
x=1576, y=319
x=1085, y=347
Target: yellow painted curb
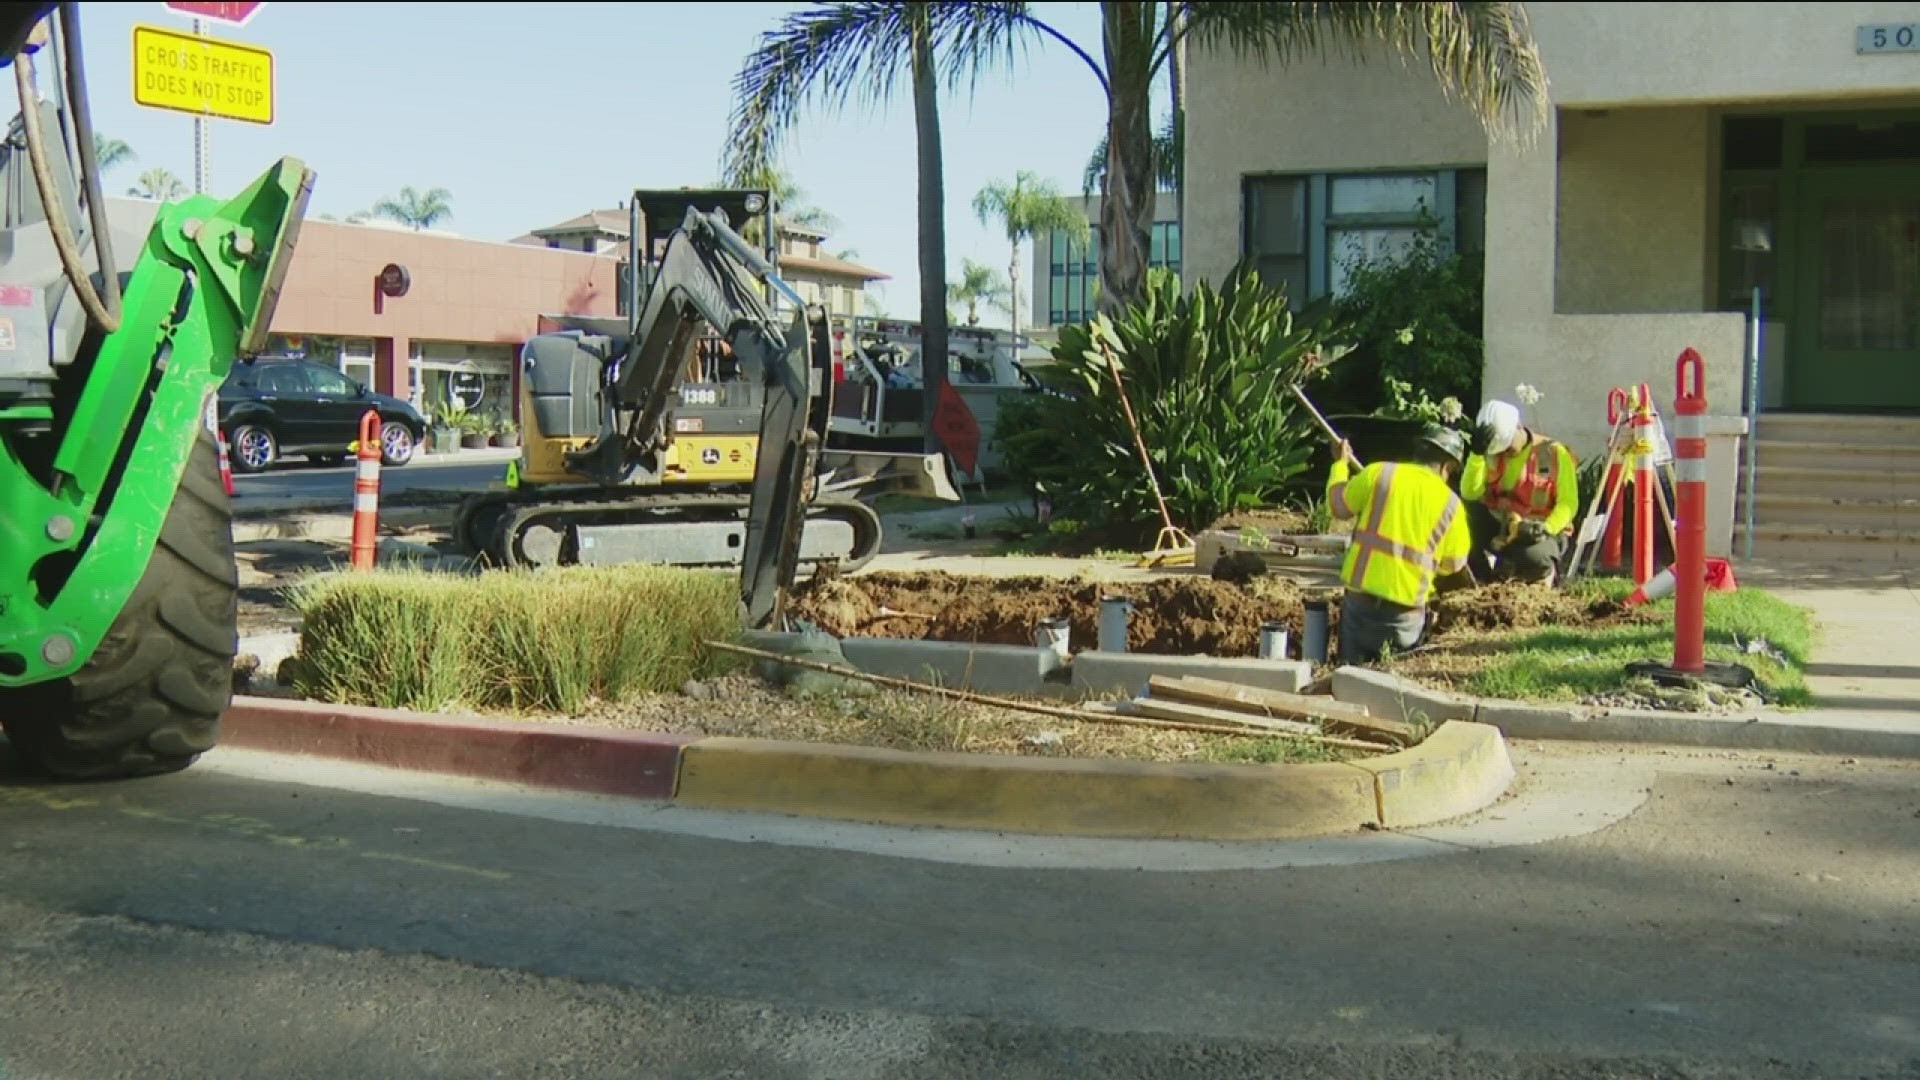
x=1460, y=768
x=1078, y=797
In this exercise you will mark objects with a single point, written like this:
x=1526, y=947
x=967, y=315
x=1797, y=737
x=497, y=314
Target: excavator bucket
x=873, y=474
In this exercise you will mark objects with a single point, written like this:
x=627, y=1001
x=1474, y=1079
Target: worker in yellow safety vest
x=1522, y=493
x=1410, y=535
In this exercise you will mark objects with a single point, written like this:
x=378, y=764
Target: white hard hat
x=1505, y=421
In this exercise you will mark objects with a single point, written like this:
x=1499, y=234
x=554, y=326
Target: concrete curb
x=1460, y=769
x=1395, y=698
x=594, y=760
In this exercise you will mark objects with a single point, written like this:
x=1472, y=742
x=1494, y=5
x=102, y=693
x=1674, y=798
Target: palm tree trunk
x=1177, y=72
x=1013, y=296
x=933, y=230
x=1126, y=212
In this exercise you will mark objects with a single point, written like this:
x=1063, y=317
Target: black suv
x=277, y=406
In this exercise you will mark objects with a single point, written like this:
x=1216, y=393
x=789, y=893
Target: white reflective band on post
x=1690, y=470
x=1689, y=427
x=369, y=469
x=365, y=502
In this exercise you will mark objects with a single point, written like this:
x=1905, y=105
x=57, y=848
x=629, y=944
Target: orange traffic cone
x=1658, y=586
x=226, y=468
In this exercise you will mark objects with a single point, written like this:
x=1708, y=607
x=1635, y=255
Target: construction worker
x=1410, y=530
x=1522, y=493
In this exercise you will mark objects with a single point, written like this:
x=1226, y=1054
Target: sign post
x=200, y=76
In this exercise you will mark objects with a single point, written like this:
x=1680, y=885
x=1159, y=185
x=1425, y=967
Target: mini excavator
x=693, y=432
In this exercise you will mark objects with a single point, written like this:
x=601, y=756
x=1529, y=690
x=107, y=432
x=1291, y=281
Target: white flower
x=1527, y=394
x=1450, y=409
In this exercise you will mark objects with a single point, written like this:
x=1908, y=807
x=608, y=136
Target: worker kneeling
x=1522, y=492
x=1410, y=530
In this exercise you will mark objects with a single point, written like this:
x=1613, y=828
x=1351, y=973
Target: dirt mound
x=1291, y=522
x=1170, y=615
x=1516, y=606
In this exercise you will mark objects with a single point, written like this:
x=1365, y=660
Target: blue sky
x=542, y=111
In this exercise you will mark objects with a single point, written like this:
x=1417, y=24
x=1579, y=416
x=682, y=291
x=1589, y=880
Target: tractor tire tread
x=150, y=698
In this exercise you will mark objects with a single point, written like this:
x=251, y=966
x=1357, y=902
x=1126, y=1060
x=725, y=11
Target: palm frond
x=1482, y=54
x=834, y=55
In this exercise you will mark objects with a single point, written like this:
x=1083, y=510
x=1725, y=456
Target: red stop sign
x=231, y=14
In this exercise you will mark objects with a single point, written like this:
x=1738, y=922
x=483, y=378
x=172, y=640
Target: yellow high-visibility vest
x=1410, y=529
x=1536, y=482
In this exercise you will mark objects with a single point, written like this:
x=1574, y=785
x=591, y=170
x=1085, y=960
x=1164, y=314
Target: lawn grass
x=516, y=640
x=1565, y=664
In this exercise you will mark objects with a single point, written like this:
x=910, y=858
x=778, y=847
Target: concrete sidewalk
x=1865, y=664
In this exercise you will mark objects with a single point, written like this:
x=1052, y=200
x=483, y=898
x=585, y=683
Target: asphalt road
x=1745, y=922
x=299, y=480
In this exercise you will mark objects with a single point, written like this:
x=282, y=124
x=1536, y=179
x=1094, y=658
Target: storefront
x=422, y=315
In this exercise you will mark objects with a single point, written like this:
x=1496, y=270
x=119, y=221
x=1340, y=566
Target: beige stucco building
x=1694, y=152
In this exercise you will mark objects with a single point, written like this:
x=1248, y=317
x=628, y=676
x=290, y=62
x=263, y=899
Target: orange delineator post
x=1643, y=481
x=1618, y=406
x=1690, y=498
x=366, y=493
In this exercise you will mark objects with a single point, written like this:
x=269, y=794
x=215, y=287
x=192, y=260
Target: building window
x=1073, y=271
x=1307, y=233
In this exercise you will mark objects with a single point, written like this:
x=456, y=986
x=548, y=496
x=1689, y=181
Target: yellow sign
x=202, y=76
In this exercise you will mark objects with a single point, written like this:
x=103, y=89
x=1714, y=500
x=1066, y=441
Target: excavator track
x=597, y=526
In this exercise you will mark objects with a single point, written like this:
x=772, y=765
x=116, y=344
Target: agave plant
x=1208, y=376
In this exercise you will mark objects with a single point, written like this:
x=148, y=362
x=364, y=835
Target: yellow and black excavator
x=692, y=433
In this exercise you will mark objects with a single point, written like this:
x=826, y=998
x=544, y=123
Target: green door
x=1856, y=338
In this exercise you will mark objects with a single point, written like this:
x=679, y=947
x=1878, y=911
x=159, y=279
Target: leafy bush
x=520, y=641
x=1415, y=323
x=1207, y=375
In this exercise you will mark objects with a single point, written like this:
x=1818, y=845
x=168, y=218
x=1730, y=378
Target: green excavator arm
x=76, y=534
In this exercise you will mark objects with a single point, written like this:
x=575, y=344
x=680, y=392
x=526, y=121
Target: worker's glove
x=1482, y=440
x=1531, y=532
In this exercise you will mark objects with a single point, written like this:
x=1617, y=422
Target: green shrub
x=522, y=641
x=1415, y=323
x=1207, y=374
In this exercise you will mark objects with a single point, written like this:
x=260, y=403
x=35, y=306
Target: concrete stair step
x=1811, y=542
x=1867, y=455
x=1833, y=483
x=1827, y=427
x=1813, y=511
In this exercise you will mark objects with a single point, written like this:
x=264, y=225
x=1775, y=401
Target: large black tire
x=149, y=700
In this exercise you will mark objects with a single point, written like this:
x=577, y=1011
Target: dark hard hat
x=1446, y=440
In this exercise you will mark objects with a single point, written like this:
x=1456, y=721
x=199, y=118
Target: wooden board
x=1200, y=714
x=1233, y=697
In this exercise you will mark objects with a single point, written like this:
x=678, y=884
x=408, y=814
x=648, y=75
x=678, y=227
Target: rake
x=1172, y=547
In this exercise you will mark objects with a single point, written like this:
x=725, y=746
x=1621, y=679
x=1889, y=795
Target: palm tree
x=1027, y=208
x=415, y=210
x=158, y=183
x=109, y=152
x=1482, y=53
x=839, y=53
x=979, y=284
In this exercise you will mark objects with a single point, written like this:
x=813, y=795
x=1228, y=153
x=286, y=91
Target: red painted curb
x=601, y=761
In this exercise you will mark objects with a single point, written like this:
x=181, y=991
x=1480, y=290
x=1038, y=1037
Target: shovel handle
x=1317, y=418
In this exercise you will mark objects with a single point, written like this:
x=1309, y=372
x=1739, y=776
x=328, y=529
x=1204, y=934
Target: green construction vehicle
x=118, y=587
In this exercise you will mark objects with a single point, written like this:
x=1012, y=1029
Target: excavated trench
x=1175, y=615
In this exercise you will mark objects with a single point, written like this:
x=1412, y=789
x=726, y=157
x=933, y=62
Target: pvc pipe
x=1273, y=641
x=1753, y=417
x=1313, y=643
x=1055, y=634
x=1690, y=544
x=1113, y=623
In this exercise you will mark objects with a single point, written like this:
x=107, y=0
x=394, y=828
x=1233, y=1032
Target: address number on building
x=1890, y=37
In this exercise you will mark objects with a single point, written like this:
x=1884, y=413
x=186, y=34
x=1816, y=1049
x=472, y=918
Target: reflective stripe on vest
x=1368, y=540
x=1534, y=494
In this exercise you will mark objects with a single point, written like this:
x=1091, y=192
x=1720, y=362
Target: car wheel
x=396, y=444
x=253, y=449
